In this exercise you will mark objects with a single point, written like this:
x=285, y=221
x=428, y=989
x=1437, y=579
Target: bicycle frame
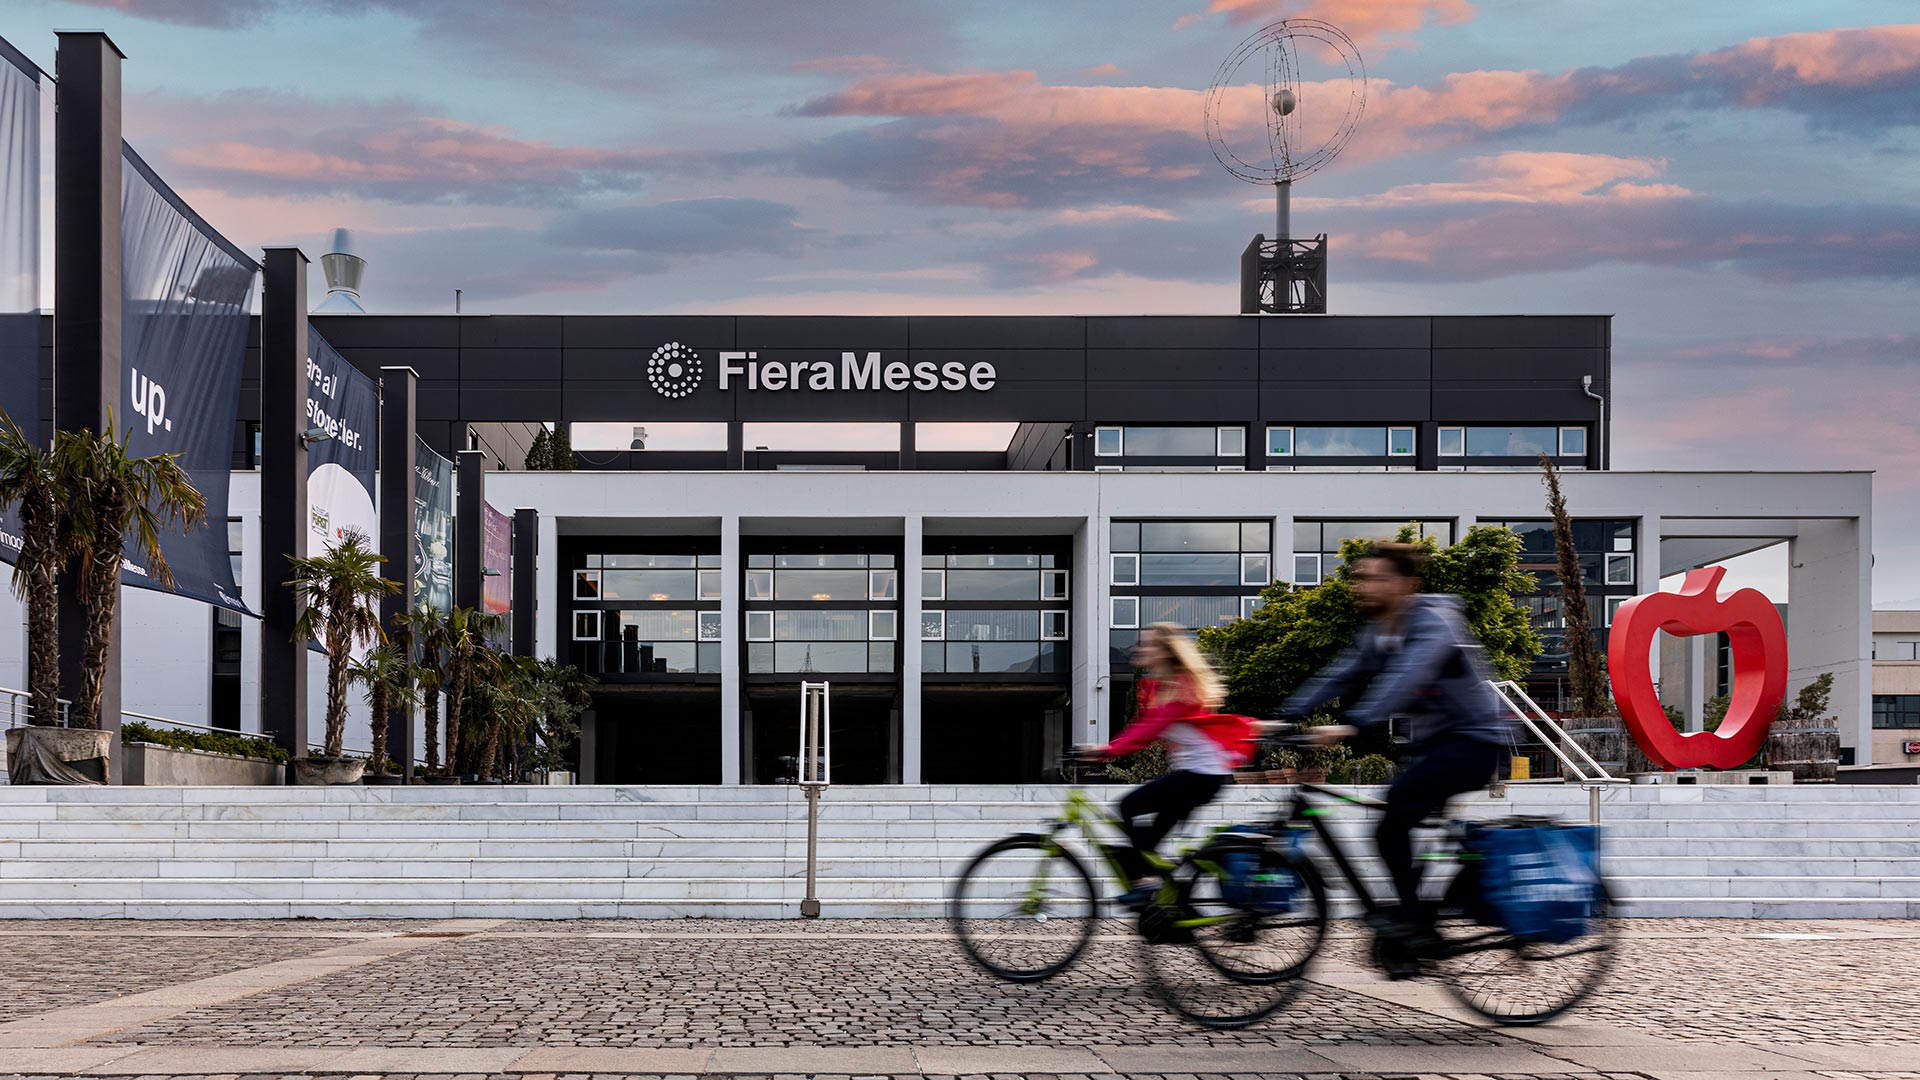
x=1082, y=813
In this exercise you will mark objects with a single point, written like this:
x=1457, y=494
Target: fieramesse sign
x=675, y=370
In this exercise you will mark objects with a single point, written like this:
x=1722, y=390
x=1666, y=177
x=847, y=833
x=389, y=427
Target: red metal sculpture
x=1758, y=643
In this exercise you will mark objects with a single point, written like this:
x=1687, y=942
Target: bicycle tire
x=973, y=901
x=1477, y=990
x=1187, y=982
x=1259, y=947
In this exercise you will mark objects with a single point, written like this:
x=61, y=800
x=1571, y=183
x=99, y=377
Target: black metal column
x=87, y=297
x=283, y=495
x=398, y=411
x=526, y=580
x=469, y=530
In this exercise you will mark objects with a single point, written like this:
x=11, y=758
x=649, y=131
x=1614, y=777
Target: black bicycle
x=1265, y=874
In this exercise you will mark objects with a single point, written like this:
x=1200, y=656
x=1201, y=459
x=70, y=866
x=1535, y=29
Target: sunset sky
x=1736, y=183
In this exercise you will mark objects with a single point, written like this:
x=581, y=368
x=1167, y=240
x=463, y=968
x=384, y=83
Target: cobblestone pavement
x=1794, y=1001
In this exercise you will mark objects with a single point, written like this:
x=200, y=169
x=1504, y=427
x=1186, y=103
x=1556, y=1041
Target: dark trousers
x=1448, y=769
x=1170, y=799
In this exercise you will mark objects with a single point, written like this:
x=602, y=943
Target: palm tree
x=386, y=671
x=426, y=630
x=512, y=707
x=112, y=498
x=27, y=478
x=339, y=595
x=466, y=637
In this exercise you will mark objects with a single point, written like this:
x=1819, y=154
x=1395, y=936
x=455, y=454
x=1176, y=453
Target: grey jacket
x=1436, y=677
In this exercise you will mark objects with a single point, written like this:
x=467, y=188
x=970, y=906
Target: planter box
x=1730, y=776
x=56, y=755
x=153, y=765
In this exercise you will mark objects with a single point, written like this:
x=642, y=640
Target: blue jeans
x=1171, y=799
x=1445, y=770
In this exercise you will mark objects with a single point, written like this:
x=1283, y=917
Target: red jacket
x=1234, y=734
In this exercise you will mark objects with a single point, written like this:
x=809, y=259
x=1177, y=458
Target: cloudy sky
x=1735, y=183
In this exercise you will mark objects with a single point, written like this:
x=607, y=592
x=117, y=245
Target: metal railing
x=149, y=718
x=20, y=707
x=815, y=769
x=1574, y=759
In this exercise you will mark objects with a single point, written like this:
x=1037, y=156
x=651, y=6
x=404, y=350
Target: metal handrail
x=17, y=698
x=170, y=722
x=1591, y=775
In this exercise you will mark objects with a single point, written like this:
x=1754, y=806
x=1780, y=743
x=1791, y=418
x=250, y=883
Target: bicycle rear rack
x=1588, y=773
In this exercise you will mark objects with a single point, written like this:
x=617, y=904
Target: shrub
x=1139, y=766
x=1372, y=769
x=210, y=741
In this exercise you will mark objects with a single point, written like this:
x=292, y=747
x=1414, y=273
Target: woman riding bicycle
x=1178, y=694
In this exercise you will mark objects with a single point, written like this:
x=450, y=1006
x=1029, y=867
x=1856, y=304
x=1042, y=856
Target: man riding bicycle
x=1414, y=657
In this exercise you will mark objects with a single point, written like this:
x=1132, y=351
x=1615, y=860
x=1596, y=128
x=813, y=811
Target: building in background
x=1896, y=686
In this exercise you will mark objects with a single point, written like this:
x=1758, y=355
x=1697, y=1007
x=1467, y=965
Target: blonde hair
x=1187, y=657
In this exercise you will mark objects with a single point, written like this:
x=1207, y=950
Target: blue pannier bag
x=1540, y=880
x=1260, y=881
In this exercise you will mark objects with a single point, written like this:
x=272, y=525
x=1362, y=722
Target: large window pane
x=1189, y=536
x=820, y=562
x=1190, y=569
x=1340, y=442
x=648, y=562
x=995, y=657
x=992, y=625
x=993, y=585
x=647, y=584
x=820, y=625
x=1017, y=561
x=820, y=585
x=637, y=656
x=1191, y=612
x=1170, y=442
x=1124, y=536
x=1256, y=536
x=651, y=625
x=1512, y=441
x=808, y=656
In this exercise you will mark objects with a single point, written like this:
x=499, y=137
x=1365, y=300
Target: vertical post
x=283, y=494
x=398, y=386
x=1283, y=212
x=469, y=529
x=912, y=544
x=908, y=445
x=735, y=746
x=87, y=308
x=525, y=571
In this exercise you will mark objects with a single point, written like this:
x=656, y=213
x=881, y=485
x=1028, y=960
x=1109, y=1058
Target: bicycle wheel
x=1024, y=909
x=1254, y=939
x=1187, y=981
x=1510, y=981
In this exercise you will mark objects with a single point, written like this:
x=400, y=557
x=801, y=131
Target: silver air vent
x=343, y=270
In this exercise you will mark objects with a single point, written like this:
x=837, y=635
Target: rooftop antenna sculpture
x=1303, y=82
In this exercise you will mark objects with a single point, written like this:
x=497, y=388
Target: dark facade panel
x=1164, y=366
x=437, y=400
x=998, y=332
x=830, y=332
x=1323, y=404
x=1520, y=331
x=1343, y=365
x=1011, y=364
x=438, y=364
x=1345, y=332
x=1013, y=400
x=389, y=331
x=496, y=401
x=1533, y=364
x=510, y=331
x=1513, y=405
x=593, y=365
x=529, y=365
x=646, y=332
x=1183, y=332
x=1148, y=403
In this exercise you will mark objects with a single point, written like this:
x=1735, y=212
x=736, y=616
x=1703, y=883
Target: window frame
x=1113, y=569
x=1065, y=580
x=1066, y=624
x=1561, y=445
x=581, y=574
x=765, y=616
x=1319, y=568
x=701, y=622
x=701, y=578
x=940, y=576
x=1251, y=604
x=1247, y=557
x=1119, y=437
x=747, y=592
x=888, y=615
x=1611, y=606
x=1288, y=452
x=1413, y=442
x=941, y=614
x=1459, y=433
x=1220, y=436
x=1613, y=559
x=591, y=615
x=1114, y=618
x=873, y=593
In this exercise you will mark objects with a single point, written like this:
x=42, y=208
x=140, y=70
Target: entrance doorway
x=865, y=730
x=656, y=735
x=984, y=734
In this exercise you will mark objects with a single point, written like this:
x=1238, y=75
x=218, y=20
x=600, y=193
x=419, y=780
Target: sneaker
x=1139, y=896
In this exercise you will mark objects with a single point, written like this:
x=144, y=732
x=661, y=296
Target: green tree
x=386, y=674
x=425, y=631
x=339, y=594
x=1585, y=673
x=467, y=658
x=560, y=448
x=1298, y=631
x=541, y=451
x=112, y=499
x=27, y=479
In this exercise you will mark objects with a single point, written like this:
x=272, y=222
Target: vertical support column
x=1830, y=623
x=469, y=528
x=908, y=446
x=550, y=636
x=1256, y=456
x=398, y=412
x=1697, y=669
x=1647, y=580
x=283, y=494
x=912, y=543
x=1080, y=447
x=525, y=571
x=87, y=308
x=736, y=446
x=1091, y=684
x=732, y=630
x=1283, y=548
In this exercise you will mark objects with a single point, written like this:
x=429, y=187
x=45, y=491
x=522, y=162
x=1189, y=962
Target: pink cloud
x=1527, y=176
x=1850, y=57
x=1362, y=19
x=862, y=64
x=1110, y=213
x=1102, y=71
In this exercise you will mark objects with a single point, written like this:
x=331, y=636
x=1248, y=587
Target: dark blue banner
x=19, y=257
x=433, y=527
x=343, y=469
x=184, y=338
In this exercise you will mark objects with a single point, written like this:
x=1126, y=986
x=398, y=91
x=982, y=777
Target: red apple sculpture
x=1759, y=645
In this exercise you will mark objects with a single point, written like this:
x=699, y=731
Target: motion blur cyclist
x=1413, y=657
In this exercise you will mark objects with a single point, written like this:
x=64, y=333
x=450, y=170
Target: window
x=710, y=584
x=1107, y=442
x=820, y=585
x=1306, y=569
x=1339, y=442
x=1053, y=626
x=710, y=626
x=1053, y=584
x=1229, y=468
x=1573, y=442
x=1453, y=442
x=1279, y=442
x=1108, y=468
x=759, y=584
x=1126, y=570
x=1256, y=570
x=1251, y=604
x=1906, y=650
x=1400, y=442
x=1523, y=442
x=1896, y=710
x=1230, y=441
x=1189, y=611
x=933, y=584
x=1200, y=442
x=1613, y=607
x=759, y=626
x=586, y=585
x=993, y=584
x=1126, y=612
x=586, y=626
x=1619, y=569
x=624, y=584
x=883, y=625
x=882, y=584
x=933, y=625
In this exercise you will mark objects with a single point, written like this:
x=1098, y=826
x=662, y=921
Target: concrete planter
x=159, y=766
x=324, y=770
x=56, y=755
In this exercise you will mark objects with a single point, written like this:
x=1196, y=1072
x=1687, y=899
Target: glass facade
x=1316, y=544
x=1896, y=710
x=821, y=613
x=994, y=613
x=639, y=615
x=1189, y=573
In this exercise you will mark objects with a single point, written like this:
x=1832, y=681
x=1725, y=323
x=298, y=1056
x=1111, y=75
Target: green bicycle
x=1026, y=907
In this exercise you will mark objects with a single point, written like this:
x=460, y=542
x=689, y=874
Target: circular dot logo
x=674, y=370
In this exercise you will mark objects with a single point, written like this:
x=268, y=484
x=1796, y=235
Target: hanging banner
x=188, y=291
x=342, y=469
x=19, y=258
x=496, y=557
x=433, y=527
